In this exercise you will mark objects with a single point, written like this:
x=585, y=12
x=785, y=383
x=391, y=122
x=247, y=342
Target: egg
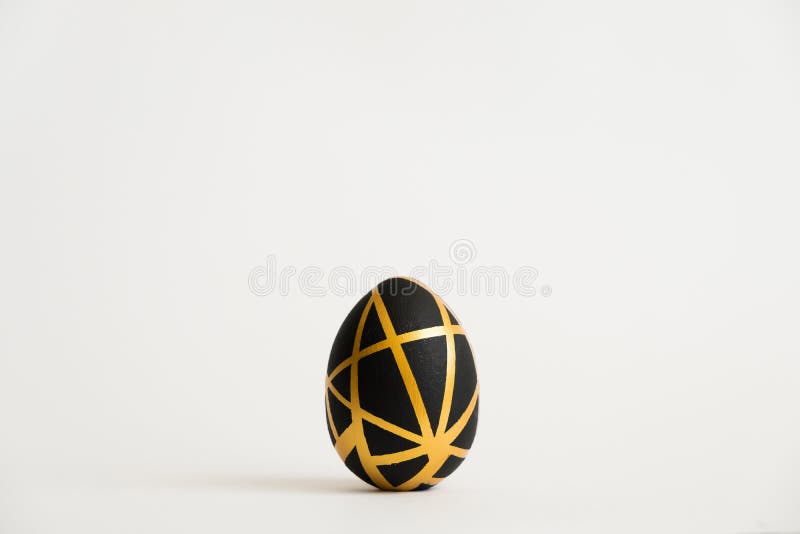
x=401, y=393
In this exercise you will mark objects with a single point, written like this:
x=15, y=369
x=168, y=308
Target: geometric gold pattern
x=433, y=443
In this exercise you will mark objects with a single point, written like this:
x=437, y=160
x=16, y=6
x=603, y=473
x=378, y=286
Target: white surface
x=644, y=159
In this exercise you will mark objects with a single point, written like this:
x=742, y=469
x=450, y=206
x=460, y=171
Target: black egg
x=401, y=393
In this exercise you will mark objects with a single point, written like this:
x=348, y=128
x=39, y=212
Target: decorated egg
x=401, y=394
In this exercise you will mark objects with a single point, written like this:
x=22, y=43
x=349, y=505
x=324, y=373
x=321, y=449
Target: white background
x=643, y=159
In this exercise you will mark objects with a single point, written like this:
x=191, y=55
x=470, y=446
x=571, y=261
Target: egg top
x=401, y=390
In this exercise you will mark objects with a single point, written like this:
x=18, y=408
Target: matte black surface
x=341, y=414
x=330, y=435
x=449, y=466
x=409, y=305
x=345, y=337
x=399, y=473
x=382, y=442
x=354, y=464
x=382, y=391
x=342, y=382
x=453, y=319
x=428, y=361
x=466, y=379
x=467, y=436
x=373, y=331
